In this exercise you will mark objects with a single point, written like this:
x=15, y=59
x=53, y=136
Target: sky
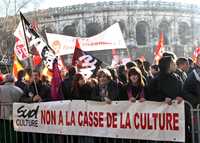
x=31, y=5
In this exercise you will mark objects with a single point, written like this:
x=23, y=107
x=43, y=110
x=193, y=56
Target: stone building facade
x=141, y=23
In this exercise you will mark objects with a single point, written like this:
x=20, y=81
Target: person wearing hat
x=10, y=93
x=167, y=86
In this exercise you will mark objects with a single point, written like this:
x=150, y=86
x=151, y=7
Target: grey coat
x=9, y=94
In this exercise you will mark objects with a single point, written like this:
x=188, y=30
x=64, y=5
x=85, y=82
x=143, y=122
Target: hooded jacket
x=165, y=85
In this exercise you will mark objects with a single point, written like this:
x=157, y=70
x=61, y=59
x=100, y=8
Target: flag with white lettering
x=34, y=40
x=85, y=62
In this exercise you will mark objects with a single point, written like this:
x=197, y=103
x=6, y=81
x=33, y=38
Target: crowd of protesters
x=172, y=79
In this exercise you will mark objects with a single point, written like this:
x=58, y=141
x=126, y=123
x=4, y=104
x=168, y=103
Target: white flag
x=20, y=48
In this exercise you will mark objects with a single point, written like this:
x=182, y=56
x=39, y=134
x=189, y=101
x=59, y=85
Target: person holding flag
x=28, y=40
x=89, y=66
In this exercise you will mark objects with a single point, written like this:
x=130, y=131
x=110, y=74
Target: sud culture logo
x=27, y=116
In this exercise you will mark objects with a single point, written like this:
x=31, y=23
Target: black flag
x=34, y=40
x=85, y=62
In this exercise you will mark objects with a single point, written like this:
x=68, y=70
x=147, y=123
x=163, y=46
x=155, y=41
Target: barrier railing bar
x=10, y=131
x=4, y=124
x=192, y=120
x=198, y=118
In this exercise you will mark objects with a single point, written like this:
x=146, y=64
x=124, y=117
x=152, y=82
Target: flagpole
x=38, y=34
x=29, y=58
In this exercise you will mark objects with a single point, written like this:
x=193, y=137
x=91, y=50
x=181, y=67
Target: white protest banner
x=146, y=121
x=62, y=45
x=111, y=38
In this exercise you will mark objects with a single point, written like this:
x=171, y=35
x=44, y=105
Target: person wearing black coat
x=191, y=87
x=80, y=89
x=182, y=68
x=122, y=74
x=44, y=90
x=191, y=90
x=167, y=86
x=20, y=82
x=37, y=91
x=191, y=65
x=66, y=84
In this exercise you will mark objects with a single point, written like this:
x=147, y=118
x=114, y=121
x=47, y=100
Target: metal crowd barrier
x=8, y=135
x=194, y=122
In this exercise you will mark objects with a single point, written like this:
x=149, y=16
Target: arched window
x=49, y=30
x=184, y=33
x=142, y=33
x=70, y=30
x=92, y=29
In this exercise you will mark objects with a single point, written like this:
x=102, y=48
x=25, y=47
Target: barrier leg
x=5, y=132
x=16, y=136
x=193, y=132
x=198, y=121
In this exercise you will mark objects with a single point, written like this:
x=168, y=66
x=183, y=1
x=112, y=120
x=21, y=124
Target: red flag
x=196, y=53
x=77, y=53
x=37, y=60
x=86, y=64
x=159, y=49
x=55, y=82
